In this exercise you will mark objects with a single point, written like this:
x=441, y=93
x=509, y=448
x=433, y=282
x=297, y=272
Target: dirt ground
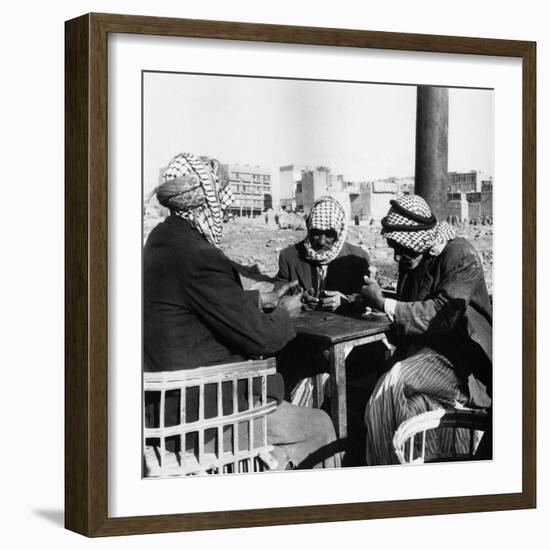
x=254, y=247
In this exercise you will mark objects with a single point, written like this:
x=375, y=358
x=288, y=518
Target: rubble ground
x=254, y=248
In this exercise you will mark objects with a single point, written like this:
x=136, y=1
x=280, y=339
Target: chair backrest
x=458, y=432
x=207, y=420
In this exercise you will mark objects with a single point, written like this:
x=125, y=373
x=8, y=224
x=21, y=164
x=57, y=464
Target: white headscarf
x=411, y=223
x=327, y=213
x=194, y=189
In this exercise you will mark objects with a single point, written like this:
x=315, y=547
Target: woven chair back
x=208, y=420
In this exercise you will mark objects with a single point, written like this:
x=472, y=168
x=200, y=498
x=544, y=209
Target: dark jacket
x=195, y=312
x=444, y=303
x=345, y=273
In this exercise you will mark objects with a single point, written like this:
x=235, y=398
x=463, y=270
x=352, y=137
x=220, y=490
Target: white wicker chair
x=409, y=441
x=216, y=447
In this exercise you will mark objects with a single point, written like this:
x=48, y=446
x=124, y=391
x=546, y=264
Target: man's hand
x=270, y=299
x=309, y=300
x=289, y=288
x=331, y=300
x=372, y=294
x=292, y=304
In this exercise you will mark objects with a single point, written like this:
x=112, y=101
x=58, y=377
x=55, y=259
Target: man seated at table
x=196, y=313
x=330, y=273
x=442, y=318
x=329, y=269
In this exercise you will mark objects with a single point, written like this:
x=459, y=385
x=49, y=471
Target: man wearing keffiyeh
x=442, y=318
x=329, y=270
x=196, y=313
x=196, y=191
x=330, y=273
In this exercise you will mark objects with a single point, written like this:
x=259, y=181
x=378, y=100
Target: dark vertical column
x=432, y=124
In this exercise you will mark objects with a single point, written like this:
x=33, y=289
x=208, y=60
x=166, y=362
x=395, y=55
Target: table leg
x=337, y=362
x=318, y=394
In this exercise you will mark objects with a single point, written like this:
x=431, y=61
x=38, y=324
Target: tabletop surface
x=334, y=328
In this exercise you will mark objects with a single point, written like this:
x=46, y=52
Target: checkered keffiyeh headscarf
x=411, y=223
x=326, y=213
x=194, y=189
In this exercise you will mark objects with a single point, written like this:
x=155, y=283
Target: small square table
x=340, y=333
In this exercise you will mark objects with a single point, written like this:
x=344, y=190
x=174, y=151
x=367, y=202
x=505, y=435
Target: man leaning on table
x=442, y=318
x=196, y=313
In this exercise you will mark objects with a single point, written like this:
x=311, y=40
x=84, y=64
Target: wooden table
x=340, y=334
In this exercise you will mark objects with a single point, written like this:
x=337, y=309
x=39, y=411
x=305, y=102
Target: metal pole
x=432, y=124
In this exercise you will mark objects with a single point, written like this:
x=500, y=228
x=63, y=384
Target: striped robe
x=423, y=382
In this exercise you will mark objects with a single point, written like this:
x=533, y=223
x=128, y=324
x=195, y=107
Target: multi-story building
x=464, y=182
x=472, y=181
x=474, y=205
x=470, y=206
x=251, y=187
x=470, y=195
x=289, y=177
x=487, y=185
x=458, y=206
x=318, y=182
x=487, y=204
x=371, y=200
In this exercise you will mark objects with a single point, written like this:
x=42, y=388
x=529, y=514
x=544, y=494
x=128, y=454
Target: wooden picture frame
x=86, y=232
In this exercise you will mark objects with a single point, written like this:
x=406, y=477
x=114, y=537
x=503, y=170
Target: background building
x=289, y=177
x=457, y=206
x=474, y=205
x=251, y=186
x=318, y=182
x=468, y=182
x=371, y=200
x=464, y=182
x=470, y=196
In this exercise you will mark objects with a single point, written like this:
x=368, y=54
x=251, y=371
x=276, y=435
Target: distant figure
x=442, y=318
x=270, y=218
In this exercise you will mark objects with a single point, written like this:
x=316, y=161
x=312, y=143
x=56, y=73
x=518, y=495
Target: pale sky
x=363, y=131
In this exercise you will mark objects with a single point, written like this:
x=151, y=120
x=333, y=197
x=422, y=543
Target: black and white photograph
x=267, y=293
x=317, y=274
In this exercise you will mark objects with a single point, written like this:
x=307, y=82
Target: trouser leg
x=306, y=435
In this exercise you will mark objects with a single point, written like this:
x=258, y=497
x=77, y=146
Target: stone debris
x=292, y=221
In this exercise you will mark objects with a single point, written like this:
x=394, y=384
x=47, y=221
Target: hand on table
x=309, y=300
x=270, y=299
x=372, y=294
x=331, y=300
